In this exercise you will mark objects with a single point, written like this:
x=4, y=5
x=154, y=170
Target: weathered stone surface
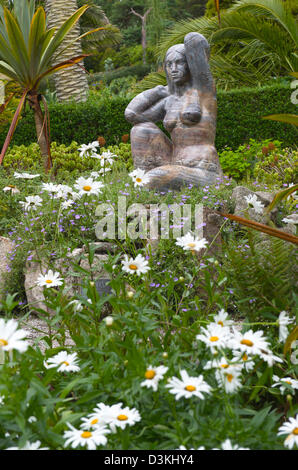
x=187, y=106
x=73, y=284
x=241, y=206
x=6, y=246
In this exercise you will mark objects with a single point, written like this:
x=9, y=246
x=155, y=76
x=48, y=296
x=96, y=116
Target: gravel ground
x=37, y=328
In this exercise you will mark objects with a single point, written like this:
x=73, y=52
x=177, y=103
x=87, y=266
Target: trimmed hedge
x=239, y=119
x=138, y=70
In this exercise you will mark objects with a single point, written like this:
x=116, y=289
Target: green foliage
x=238, y=163
x=261, y=274
x=277, y=167
x=211, y=10
x=66, y=159
x=239, y=119
x=139, y=71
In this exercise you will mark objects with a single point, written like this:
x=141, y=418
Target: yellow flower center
x=133, y=267
x=3, y=342
x=122, y=417
x=65, y=362
x=86, y=434
x=224, y=366
x=191, y=245
x=214, y=338
x=150, y=374
x=244, y=357
x=230, y=377
x=138, y=180
x=94, y=421
x=190, y=388
x=49, y=281
x=288, y=382
x=247, y=342
x=295, y=432
x=87, y=188
x=220, y=323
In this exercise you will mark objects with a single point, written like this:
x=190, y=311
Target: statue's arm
x=148, y=106
x=197, y=52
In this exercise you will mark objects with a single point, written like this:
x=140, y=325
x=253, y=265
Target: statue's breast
x=180, y=112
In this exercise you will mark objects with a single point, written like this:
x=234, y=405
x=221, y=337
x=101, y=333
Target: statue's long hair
x=196, y=51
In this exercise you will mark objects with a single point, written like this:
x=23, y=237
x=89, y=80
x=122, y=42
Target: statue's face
x=177, y=68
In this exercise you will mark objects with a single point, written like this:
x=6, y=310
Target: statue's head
x=176, y=66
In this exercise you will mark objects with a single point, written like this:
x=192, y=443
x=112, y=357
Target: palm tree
x=255, y=41
x=27, y=52
x=70, y=84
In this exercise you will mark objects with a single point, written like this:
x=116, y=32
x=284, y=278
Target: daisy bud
x=181, y=279
x=165, y=355
x=109, y=321
x=216, y=263
x=130, y=294
x=92, y=284
x=289, y=399
x=126, y=362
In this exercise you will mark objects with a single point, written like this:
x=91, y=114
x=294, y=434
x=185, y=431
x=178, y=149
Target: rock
x=6, y=246
x=72, y=284
x=239, y=194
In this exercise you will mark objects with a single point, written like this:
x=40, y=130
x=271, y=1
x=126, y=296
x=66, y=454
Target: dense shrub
x=66, y=159
x=277, y=166
x=239, y=119
x=139, y=70
x=237, y=163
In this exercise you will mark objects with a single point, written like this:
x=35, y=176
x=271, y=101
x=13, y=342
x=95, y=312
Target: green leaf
x=288, y=118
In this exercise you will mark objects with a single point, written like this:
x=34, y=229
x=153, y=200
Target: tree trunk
x=144, y=32
x=41, y=129
x=71, y=83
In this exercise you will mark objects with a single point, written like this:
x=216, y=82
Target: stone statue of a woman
x=187, y=107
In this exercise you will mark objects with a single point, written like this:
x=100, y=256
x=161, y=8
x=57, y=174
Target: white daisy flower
x=229, y=378
x=222, y=364
x=64, y=362
x=2, y=398
x=283, y=321
x=12, y=189
x=89, y=149
x=153, y=375
x=254, y=203
x=32, y=419
x=91, y=439
x=214, y=336
x=31, y=202
x=49, y=187
x=139, y=177
x=109, y=320
x=243, y=360
x=188, y=386
x=249, y=342
x=67, y=204
x=118, y=416
x=184, y=448
x=291, y=219
x=138, y=266
x=222, y=318
x=288, y=380
x=25, y=176
x=77, y=305
x=105, y=158
x=291, y=429
x=29, y=446
x=227, y=445
x=12, y=338
x=88, y=186
x=63, y=191
x=94, y=420
x=269, y=357
x=50, y=279
x=189, y=242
